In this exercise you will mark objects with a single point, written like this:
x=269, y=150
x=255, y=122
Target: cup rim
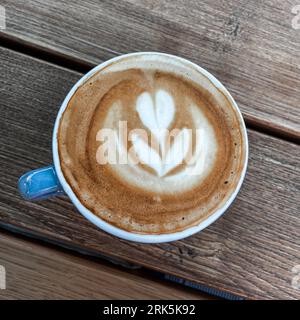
x=139, y=237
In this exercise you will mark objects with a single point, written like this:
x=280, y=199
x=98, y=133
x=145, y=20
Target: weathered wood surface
x=250, y=251
x=249, y=45
x=35, y=271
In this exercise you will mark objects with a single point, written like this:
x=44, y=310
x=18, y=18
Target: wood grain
x=250, y=251
x=249, y=45
x=35, y=271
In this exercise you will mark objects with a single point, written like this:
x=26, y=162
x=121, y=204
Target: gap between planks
x=35, y=270
x=82, y=66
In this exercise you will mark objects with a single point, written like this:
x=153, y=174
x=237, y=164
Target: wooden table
x=253, y=250
x=36, y=271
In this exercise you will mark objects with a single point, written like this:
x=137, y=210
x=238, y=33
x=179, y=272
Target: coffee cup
x=162, y=191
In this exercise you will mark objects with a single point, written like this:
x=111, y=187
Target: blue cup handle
x=40, y=184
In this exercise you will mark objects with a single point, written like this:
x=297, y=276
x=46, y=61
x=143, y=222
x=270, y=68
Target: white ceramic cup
x=45, y=182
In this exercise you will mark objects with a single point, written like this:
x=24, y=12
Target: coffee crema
x=183, y=149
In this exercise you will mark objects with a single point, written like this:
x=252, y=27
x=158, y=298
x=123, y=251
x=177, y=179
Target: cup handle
x=40, y=184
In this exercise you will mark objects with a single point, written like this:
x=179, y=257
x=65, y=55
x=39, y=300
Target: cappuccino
x=150, y=144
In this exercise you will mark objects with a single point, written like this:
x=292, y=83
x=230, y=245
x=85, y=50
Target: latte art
x=157, y=116
x=150, y=145
x=169, y=155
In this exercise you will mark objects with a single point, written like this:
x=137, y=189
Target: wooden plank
x=250, y=251
x=34, y=271
x=249, y=45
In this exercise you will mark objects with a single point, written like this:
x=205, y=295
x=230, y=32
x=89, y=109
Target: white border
x=144, y=238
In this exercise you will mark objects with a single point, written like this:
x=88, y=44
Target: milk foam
x=172, y=185
x=157, y=114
